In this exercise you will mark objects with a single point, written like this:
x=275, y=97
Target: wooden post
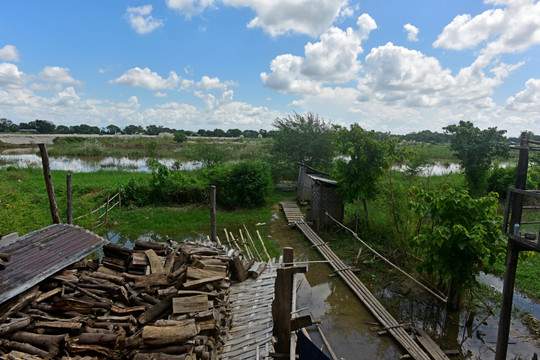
x=213, y=229
x=49, y=184
x=512, y=253
x=119, y=200
x=69, y=199
x=281, y=307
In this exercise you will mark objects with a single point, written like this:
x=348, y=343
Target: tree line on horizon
x=48, y=127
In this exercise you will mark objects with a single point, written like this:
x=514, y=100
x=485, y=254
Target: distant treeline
x=48, y=127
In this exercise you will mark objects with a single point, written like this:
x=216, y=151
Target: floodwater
x=91, y=164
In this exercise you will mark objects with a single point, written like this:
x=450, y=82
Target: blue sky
x=398, y=66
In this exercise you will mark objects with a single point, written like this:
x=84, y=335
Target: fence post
x=69, y=199
x=49, y=184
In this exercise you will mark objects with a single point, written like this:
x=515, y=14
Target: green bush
x=500, y=179
x=245, y=184
x=180, y=137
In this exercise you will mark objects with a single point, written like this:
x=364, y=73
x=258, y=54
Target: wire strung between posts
x=444, y=300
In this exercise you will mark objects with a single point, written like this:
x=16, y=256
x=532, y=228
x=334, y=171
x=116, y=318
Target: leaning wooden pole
x=69, y=199
x=512, y=253
x=49, y=184
x=213, y=227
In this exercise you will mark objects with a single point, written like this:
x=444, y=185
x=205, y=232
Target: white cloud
x=190, y=7
x=161, y=95
x=512, y=29
x=208, y=83
x=9, y=53
x=11, y=76
x=412, y=32
x=277, y=17
x=527, y=100
x=334, y=59
x=141, y=21
x=147, y=79
x=59, y=75
x=67, y=97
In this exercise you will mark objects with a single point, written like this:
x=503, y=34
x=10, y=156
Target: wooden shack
x=305, y=183
x=324, y=198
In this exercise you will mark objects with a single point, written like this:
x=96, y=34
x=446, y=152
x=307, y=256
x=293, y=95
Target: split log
x=63, y=325
x=193, y=284
x=25, y=348
x=18, y=355
x=78, y=305
x=48, y=294
x=18, y=303
x=50, y=342
x=163, y=335
x=156, y=311
x=83, y=348
x=109, y=277
x=196, y=273
x=159, y=279
x=98, y=339
x=161, y=356
x=14, y=325
x=117, y=251
x=188, y=304
x=121, y=310
x=145, y=245
x=86, y=292
x=257, y=269
x=156, y=266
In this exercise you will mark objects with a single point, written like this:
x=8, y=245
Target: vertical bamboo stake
x=49, y=184
x=119, y=200
x=213, y=231
x=264, y=247
x=259, y=257
x=107, y=211
x=246, y=245
x=69, y=199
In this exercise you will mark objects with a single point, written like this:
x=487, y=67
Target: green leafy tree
x=180, y=137
x=459, y=236
x=7, y=125
x=477, y=149
x=133, y=129
x=305, y=139
x=42, y=126
x=112, y=130
x=364, y=161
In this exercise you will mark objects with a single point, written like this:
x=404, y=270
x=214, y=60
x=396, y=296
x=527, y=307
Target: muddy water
x=346, y=320
x=329, y=299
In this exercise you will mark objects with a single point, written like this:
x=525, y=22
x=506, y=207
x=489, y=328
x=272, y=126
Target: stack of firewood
x=155, y=301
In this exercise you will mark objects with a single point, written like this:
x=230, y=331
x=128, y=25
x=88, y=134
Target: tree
x=7, y=125
x=477, y=149
x=112, y=130
x=62, y=129
x=180, y=137
x=133, y=129
x=305, y=139
x=459, y=236
x=364, y=161
x=233, y=133
x=42, y=126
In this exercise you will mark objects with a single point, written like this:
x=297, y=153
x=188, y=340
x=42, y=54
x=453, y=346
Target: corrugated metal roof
x=40, y=254
x=323, y=180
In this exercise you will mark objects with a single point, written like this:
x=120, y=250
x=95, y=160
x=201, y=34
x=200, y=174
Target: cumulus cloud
x=277, y=17
x=59, y=75
x=333, y=59
x=141, y=20
x=190, y=7
x=208, y=83
x=145, y=78
x=159, y=94
x=412, y=32
x=67, y=97
x=9, y=53
x=511, y=29
x=527, y=100
x=11, y=76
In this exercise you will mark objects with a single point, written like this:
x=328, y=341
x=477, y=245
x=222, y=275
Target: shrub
x=180, y=137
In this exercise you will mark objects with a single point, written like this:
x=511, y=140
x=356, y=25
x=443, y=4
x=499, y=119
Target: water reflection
x=91, y=164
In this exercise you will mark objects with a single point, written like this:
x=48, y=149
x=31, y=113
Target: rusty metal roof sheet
x=40, y=254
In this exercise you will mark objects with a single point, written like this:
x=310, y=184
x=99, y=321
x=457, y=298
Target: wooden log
x=87, y=293
x=126, y=318
x=14, y=325
x=156, y=266
x=78, y=305
x=133, y=309
x=98, y=338
x=257, y=269
x=188, y=304
x=74, y=347
x=112, y=278
x=5, y=256
x=163, y=335
x=161, y=356
x=62, y=325
x=145, y=245
x=2, y=264
x=156, y=311
x=18, y=303
x=117, y=251
x=48, y=294
x=50, y=342
x=170, y=349
x=19, y=355
x=25, y=348
x=157, y=279
x=193, y=284
x=196, y=273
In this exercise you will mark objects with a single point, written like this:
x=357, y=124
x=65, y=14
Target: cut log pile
x=155, y=301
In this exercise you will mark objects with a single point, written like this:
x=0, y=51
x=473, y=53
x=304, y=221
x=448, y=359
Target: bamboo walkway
x=250, y=336
x=387, y=321
x=292, y=212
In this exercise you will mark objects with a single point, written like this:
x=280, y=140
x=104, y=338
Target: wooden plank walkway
x=374, y=306
x=292, y=212
x=250, y=336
